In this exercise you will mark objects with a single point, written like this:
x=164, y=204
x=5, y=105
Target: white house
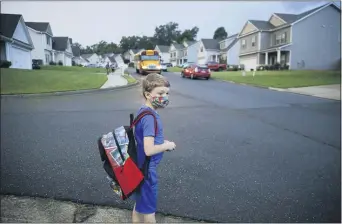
x=163, y=52
x=209, y=50
x=62, y=50
x=119, y=60
x=41, y=35
x=230, y=50
x=192, y=51
x=15, y=41
x=175, y=53
x=92, y=58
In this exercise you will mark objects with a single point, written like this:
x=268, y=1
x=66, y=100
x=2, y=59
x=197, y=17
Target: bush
x=37, y=61
x=131, y=64
x=52, y=63
x=260, y=68
x=73, y=63
x=126, y=61
x=5, y=64
x=276, y=66
x=232, y=67
x=284, y=67
x=60, y=63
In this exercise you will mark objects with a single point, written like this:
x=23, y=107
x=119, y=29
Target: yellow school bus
x=147, y=61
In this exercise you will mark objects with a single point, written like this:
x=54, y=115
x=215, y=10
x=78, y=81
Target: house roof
x=262, y=25
x=76, y=51
x=210, y=44
x=85, y=56
x=112, y=59
x=290, y=18
x=42, y=27
x=232, y=43
x=188, y=42
x=60, y=43
x=178, y=46
x=136, y=50
x=163, y=48
x=118, y=55
x=9, y=23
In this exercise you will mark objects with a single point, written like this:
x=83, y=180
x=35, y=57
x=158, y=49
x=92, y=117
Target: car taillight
x=196, y=69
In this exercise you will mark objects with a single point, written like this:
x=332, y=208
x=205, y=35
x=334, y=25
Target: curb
x=242, y=84
x=304, y=94
x=71, y=92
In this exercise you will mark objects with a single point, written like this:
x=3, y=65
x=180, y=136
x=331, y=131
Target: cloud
x=89, y=22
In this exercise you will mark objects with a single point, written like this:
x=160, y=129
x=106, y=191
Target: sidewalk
x=40, y=210
x=115, y=79
x=327, y=91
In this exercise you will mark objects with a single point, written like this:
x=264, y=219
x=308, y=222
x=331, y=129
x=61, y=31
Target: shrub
x=5, y=64
x=232, y=67
x=260, y=68
x=131, y=64
x=277, y=66
x=73, y=63
x=60, y=63
x=52, y=63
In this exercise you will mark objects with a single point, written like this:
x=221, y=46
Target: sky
x=89, y=22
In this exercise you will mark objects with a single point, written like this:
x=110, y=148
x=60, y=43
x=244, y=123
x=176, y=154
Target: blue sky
x=89, y=22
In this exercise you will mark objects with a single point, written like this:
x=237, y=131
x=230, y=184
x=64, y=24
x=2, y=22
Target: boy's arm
x=149, y=133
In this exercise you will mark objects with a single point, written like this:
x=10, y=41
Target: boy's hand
x=169, y=145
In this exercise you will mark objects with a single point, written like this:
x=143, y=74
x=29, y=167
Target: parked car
x=163, y=67
x=186, y=64
x=215, y=66
x=168, y=65
x=196, y=71
x=35, y=65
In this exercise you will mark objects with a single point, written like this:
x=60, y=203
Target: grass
x=129, y=78
x=174, y=69
x=282, y=79
x=50, y=79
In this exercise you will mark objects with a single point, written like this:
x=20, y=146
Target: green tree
x=220, y=33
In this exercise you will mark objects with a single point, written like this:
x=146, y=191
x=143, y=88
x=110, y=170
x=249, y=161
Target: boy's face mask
x=160, y=101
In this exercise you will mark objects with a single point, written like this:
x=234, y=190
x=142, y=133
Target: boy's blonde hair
x=152, y=81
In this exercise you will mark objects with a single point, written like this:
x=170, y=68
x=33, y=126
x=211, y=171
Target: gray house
x=310, y=40
x=229, y=49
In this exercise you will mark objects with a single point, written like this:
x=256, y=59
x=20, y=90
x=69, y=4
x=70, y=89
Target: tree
x=165, y=34
x=220, y=33
x=189, y=35
x=76, y=44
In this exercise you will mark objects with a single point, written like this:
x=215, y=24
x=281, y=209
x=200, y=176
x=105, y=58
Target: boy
x=155, y=92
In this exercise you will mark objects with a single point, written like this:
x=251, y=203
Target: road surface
x=244, y=154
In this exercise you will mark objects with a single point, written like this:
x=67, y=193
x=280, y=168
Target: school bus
x=147, y=61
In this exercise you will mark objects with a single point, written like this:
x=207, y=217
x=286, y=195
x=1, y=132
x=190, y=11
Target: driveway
x=244, y=154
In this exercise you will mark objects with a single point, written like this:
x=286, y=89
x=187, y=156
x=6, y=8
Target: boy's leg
x=135, y=216
x=150, y=218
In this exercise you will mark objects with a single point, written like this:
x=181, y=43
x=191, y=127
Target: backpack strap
x=133, y=123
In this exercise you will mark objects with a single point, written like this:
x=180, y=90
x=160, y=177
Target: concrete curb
x=71, y=92
x=46, y=210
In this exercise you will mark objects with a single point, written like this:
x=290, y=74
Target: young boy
x=155, y=92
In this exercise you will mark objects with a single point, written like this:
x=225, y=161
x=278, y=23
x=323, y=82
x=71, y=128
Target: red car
x=214, y=66
x=196, y=71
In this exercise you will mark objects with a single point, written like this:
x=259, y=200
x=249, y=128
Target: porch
x=281, y=57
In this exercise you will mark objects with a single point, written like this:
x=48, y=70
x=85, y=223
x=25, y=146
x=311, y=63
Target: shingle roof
x=211, y=44
x=76, y=51
x=262, y=25
x=85, y=56
x=178, y=46
x=60, y=43
x=38, y=26
x=232, y=43
x=136, y=50
x=9, y=23
x=112, y=59
x=164, y=48
x=190, y=42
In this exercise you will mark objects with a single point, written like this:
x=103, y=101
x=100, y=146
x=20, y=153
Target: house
x=163, y=52
x=230, y=49
x=119, y=60
x=41, y=35
x=112, y=61
x=105, y=59
x=77, y=58
x=184, y=52
x=133, y=52
x=15, y=41
x=192, y=51
x=127, y=55
x=62, y=50
x=92, y=58
x=176, y=54
x=209, y=50
x=310, y=40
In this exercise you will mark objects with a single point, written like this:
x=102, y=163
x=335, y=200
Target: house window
x=47, y=59
x=185, y=53
x=222, y=45
x=253, y=41
x=201, y=49
x=48, y=40
x=283, y=38
x=278, y=39
x=243, y=43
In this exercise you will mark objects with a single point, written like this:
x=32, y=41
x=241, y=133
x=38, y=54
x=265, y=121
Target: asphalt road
x=244, y=154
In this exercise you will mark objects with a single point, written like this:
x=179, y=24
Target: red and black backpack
x=118, y=151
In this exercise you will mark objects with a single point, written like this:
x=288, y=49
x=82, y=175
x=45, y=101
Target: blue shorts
x=146, y=198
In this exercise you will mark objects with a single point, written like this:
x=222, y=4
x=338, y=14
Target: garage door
x=250, y=62
x=68, y=61
x=20, y=58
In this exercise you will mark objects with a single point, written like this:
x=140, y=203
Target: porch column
x=278, y=56
x=266, y=58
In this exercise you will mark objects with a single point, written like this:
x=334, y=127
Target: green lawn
x=174, y=69
x=282, y=79
x=130, y=79
x=50, y=79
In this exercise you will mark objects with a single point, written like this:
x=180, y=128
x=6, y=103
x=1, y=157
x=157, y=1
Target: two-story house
x=229, y=50
x=41, y=35
x=175, y=53
x=163, y=52
x=62, y=50
x=184, y=52
x=15, y=41
x=310, y=40
x=92, y=58
x=192, y=51
x=208, y=50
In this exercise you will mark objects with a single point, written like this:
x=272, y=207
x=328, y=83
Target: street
x=244, y=154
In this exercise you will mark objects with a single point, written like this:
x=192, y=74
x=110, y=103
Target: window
x=185, y=53
x=278, y=39
x=222, y=45
x=48, y=40
x=47, y=59
x=283, y=38
x=253, y=41
x=201, y=49
x=243, y=43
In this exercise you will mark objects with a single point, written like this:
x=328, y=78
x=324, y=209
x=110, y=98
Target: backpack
x=118, y=152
